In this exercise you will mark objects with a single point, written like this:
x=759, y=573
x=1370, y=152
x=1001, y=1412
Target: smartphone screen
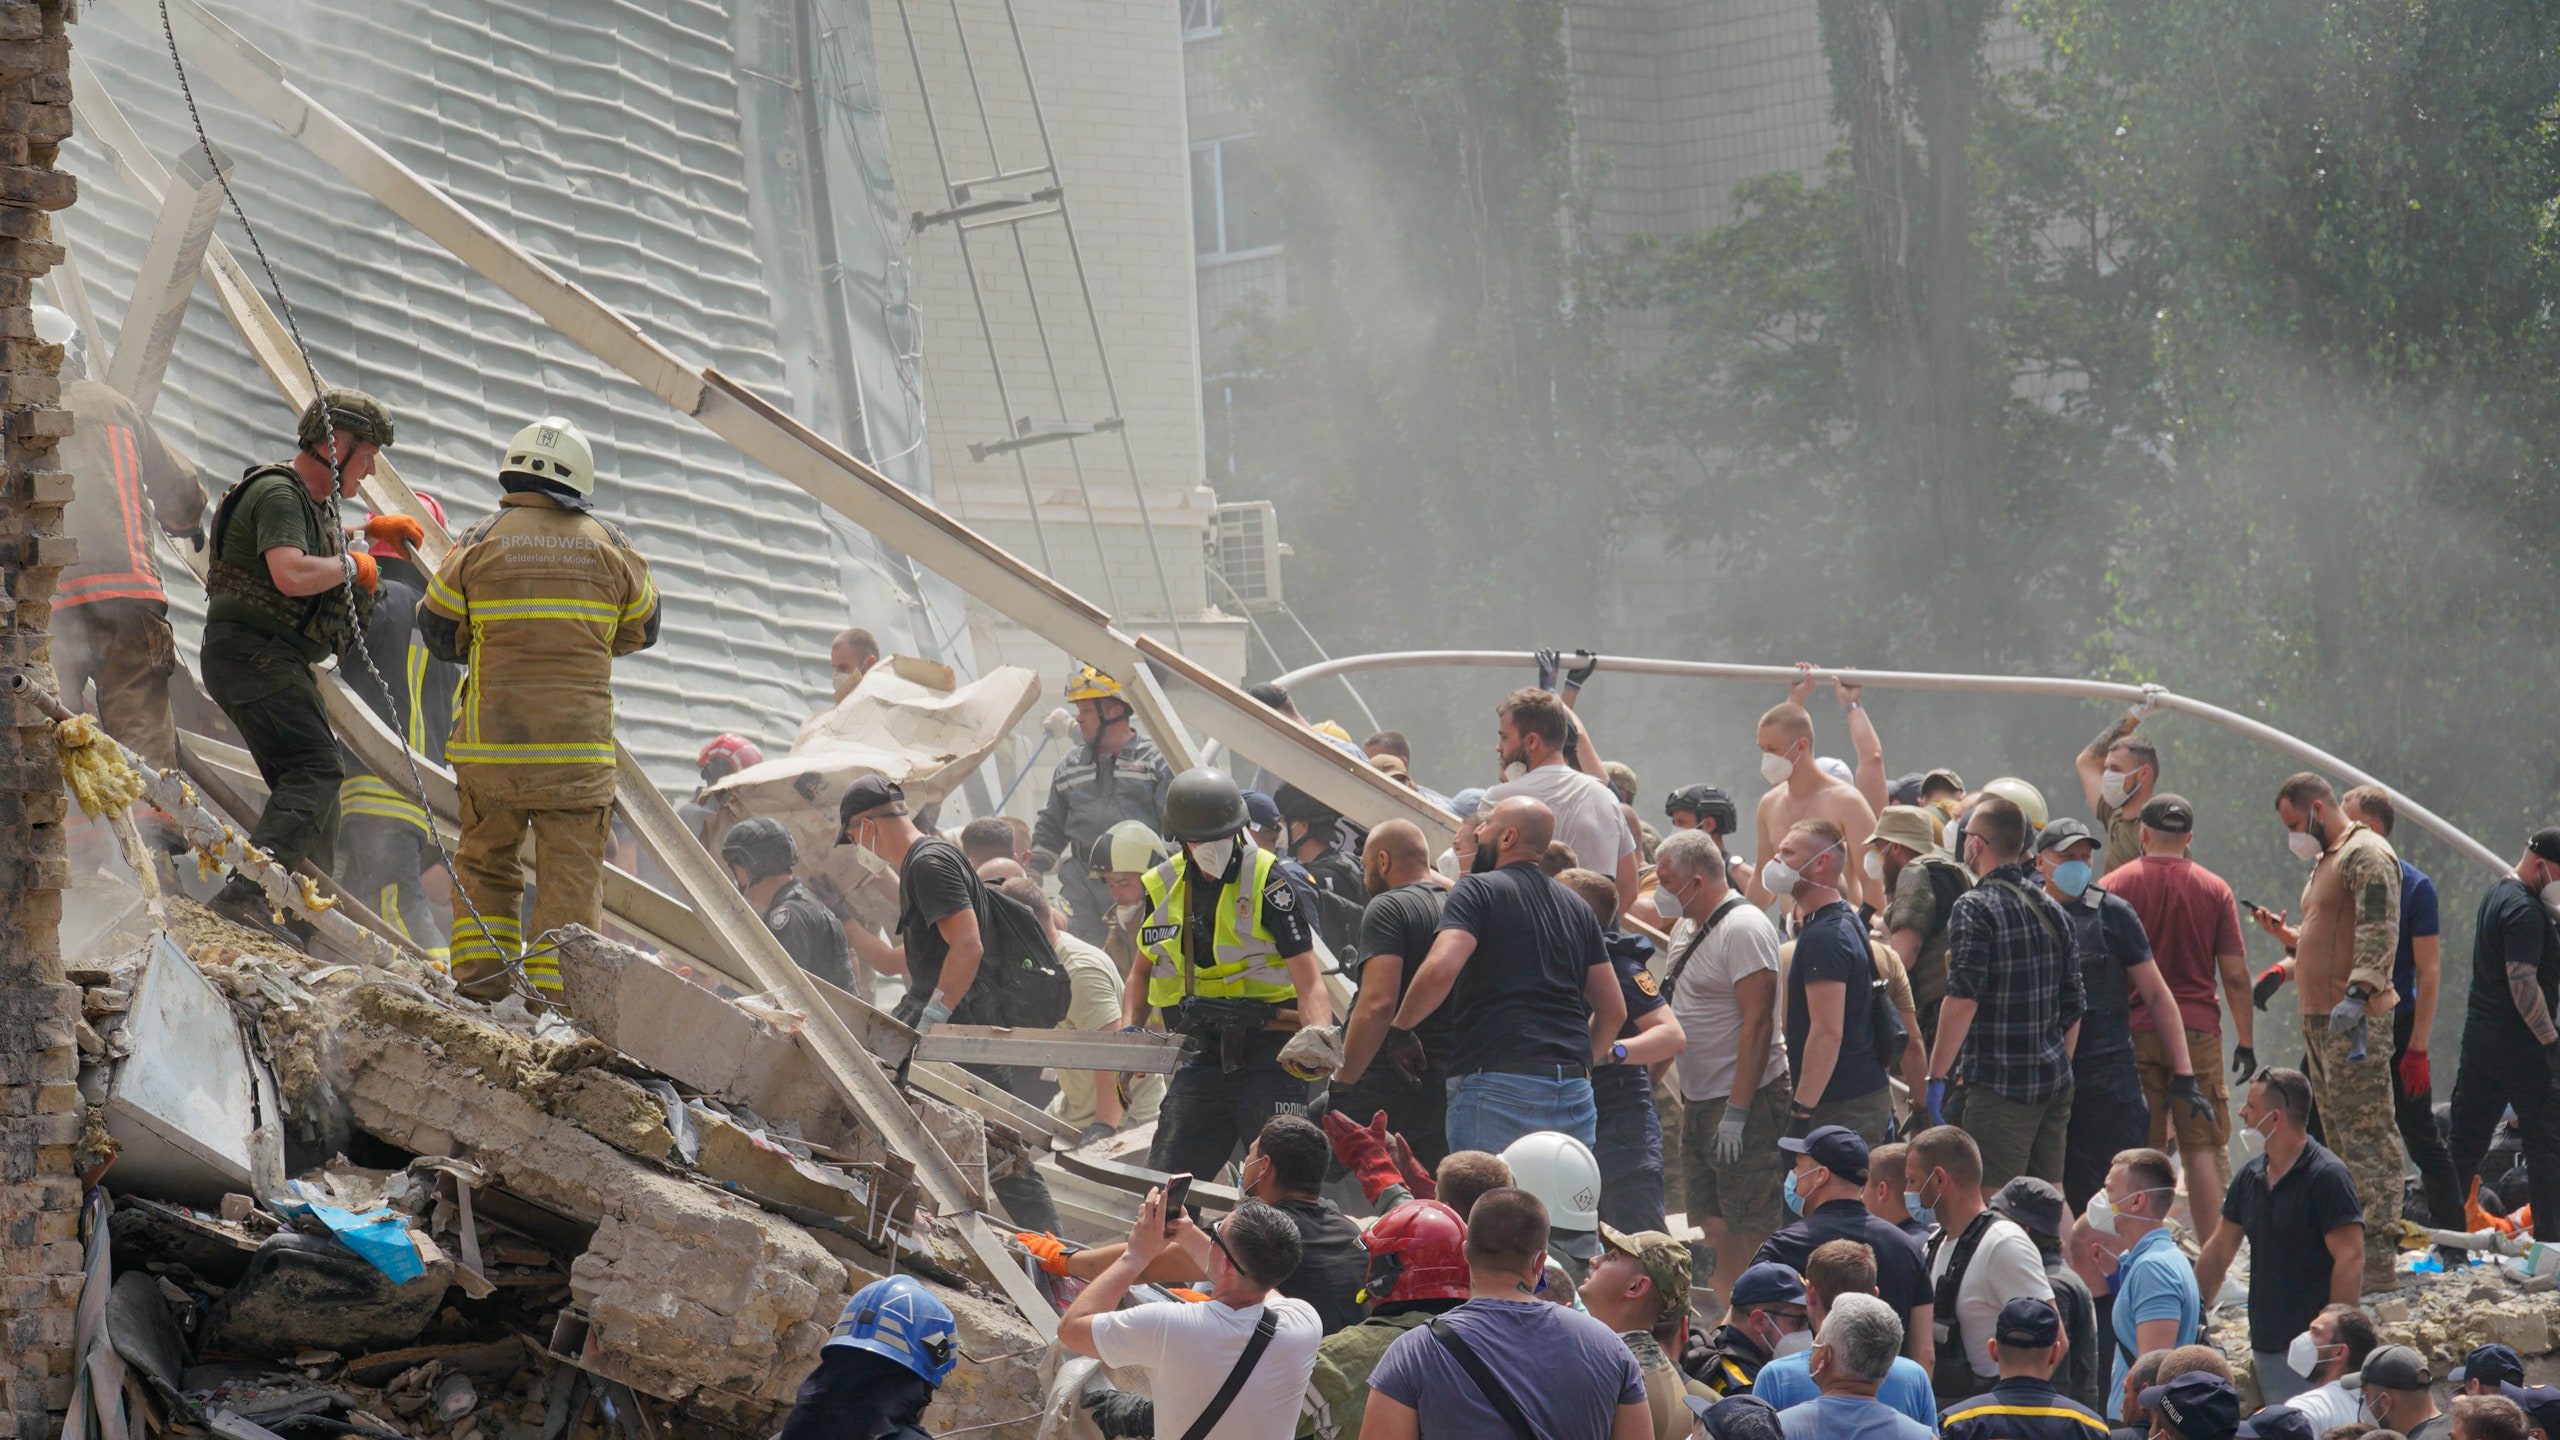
x=1177, y=1194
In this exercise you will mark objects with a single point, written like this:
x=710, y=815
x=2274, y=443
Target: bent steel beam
x=2143, y=698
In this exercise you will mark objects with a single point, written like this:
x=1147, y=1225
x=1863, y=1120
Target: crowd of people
x=1937, y=1076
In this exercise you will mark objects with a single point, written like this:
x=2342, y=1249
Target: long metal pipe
x=2144, y=698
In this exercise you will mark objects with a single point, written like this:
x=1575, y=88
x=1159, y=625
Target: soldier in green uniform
x=286, y=592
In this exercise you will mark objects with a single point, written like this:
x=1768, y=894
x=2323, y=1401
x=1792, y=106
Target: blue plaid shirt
x=2014, y=956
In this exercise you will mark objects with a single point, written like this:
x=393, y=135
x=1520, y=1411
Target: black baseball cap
x=2028, y=1323
x=2540, y=1403
x=866, y=794
x=2488, y=1362
x=2065, y=831
x=2545, y=842
x=2200, y=1403
x=1736, y=1417
x=2169, y=814
x=2034, y=1204
x=2278, y=1422
x=1835, y=1148
x=2393, y=1367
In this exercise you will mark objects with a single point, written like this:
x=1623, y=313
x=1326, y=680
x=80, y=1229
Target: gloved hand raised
x=1363, y=1150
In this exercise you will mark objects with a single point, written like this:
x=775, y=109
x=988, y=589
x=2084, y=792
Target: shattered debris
x=419, y=1217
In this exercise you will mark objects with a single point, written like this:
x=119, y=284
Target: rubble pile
x=346, y=1203
x=2441, y=1316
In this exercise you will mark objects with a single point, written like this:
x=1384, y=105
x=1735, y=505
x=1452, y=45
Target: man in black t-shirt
x=2295, y=1203
x=1520, y=958
x=1396, y=929
x=942, y=918
x=2509, y=1039
x=760, y=855
x=1630, y=1128
x=1283, y=1168
x=1309, y=831
x=1830, y=992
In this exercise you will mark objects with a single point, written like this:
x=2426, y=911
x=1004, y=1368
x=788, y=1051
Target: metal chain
x=337, y=477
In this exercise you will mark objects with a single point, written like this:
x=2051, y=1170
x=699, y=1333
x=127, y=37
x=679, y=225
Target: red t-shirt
x=2190, y=917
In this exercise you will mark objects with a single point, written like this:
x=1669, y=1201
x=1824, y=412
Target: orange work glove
x=1048, y=1249
x=368, y=574
x=395, y=530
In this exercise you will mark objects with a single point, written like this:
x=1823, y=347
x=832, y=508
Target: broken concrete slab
x=183, y=1104
x=307, y=1292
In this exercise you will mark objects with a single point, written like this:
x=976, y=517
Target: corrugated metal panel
x=603, y=134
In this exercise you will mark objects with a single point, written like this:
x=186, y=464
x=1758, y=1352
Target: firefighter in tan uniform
x=537, y=600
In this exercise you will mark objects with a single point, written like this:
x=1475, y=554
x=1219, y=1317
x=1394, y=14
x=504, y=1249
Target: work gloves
x=395, y=530
x=1549, y=663
x=2346, y=1015
x=1729, y=1137
x=1363, y=1151
x=1580, y=674
x=2244, y=1062
x=1402, y=1051
x=2183, y=1090
x=1048, y=1249
x=1937, y=1102
x=2270, y=980
x=368, y=575
x=2414, y=1079
x=1120, y=1415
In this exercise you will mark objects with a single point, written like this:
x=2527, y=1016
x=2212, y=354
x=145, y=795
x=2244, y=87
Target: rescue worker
x=1417, y=1270
x=1768, y=1319
x=538, y=599
x=1122, y=856
x=1114, y=775
x=1310, y=831
x=761, y=855
x=284, y=593
x=2026, y=1343
x=110, y=613
x=892, y=1348
x=384, y=846
x=722, y=756
x=1224, y=901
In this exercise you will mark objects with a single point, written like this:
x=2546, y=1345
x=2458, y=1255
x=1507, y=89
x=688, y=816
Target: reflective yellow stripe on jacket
x=365, y=795
x=1248, y=961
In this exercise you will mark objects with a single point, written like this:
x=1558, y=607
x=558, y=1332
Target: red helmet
x=1416, y=1252
x=726, y=755
x=387, y=550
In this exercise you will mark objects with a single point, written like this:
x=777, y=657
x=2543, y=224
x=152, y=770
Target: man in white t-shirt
x=1999, y=1258
x=1530, y=730
x=1188, y=1350
x=1723, y=985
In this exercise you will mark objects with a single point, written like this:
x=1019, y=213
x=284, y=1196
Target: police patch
x=1158, y=934
x=1280, y=897
x=1647, y=984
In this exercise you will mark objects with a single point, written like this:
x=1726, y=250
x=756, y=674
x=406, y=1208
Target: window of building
x=1201, y=17
x=1234, y=210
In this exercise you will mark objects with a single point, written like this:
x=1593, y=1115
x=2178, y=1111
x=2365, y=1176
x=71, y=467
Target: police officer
x=2027, y=1341
x=1114, y=775
x=1231, y=962
x=1627, y=1136
x=760, y=855
x=1768, y=1319
x=1310, y=835
x=539, y=599
x=892, y=1348
x=284, y=594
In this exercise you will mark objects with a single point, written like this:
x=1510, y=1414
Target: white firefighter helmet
x=552, y=449
x=1561, y=1172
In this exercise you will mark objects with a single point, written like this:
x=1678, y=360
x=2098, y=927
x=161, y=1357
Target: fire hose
x=2142, y=699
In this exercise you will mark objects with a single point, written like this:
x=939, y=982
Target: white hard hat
x=552, y=449
x=1561, y=1172
x=55, y=326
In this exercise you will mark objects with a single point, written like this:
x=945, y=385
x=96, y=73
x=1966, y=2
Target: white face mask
x=2301, y=843
x=1515, y=770
x=2551, y=897
x=1875, y=864
x=1793, y=1343
x=2101, y=1213
x=1124, y=913
x=1213, y=856
x=1775, y=768
x=2114, y=785
x=1780, y=877
x=2253, y=1143
x=1665, y=903
x=2303, y=1355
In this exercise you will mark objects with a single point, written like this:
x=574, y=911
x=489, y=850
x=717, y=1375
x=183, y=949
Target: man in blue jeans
x=1521, y=959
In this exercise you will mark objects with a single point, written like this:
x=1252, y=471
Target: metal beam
x=1148, y=1054
x=955, y=1086
x=157, y=310
x=764, y=434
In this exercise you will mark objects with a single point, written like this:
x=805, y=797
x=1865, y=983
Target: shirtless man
x=1800, y=791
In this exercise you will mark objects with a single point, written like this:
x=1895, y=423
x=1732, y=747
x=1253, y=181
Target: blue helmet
x=901, y=1319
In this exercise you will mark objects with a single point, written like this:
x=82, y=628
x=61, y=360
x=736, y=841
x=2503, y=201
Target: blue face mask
x=1919, y=1212
x=1795, y=1202
x=2071, y=877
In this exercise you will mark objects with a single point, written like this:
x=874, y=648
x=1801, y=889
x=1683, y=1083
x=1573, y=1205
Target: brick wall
x=39, y=1100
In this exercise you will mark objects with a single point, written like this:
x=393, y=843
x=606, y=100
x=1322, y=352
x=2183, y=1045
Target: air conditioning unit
x=1245, y=551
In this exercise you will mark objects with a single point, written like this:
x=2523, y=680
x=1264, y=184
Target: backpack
x=1031, y=983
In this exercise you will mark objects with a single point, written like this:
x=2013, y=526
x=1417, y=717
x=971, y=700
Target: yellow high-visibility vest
x=1248, y=961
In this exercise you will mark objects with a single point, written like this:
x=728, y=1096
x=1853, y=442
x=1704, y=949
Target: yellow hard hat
x=2021, y=794
x=1091, y=684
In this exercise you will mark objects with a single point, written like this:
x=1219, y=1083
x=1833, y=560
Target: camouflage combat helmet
x=339, y=408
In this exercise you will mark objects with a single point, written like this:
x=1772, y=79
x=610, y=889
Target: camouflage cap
x=339, y=408
x=1663, y=1258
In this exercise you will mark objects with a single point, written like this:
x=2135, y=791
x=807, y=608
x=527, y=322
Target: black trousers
x=1025, y=1196
x=1210, y=1113
x=2109, y=1115
x=2415, y=1112
x=267, y=689
x=2499, y=1071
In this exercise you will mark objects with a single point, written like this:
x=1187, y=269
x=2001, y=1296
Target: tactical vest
x=326, y=619
x=1953, y=1377
x=1247, y=959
